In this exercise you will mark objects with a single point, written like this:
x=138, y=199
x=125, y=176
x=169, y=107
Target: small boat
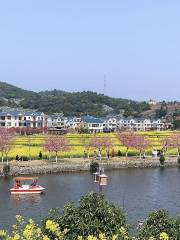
x=26, y=185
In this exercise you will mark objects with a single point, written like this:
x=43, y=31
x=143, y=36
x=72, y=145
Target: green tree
x=159, y=222
x=93, y=216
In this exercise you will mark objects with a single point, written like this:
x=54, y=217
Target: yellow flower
x=2, y=233
x=16, y=237
x=102, y=236
x=20, y=219
x=38, y=231
x=114, y=237
x=46, y=238
x=164, y=236
x=123, y=231
x=79, y=238
x=52, y=226
x=91, y=237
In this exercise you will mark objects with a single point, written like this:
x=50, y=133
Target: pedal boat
x=26, y=185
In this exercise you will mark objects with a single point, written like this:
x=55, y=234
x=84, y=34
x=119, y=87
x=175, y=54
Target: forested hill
x=9, y=91
x=70, y=104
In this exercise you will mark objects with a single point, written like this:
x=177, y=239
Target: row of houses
x=93, y=124
x=18, y=119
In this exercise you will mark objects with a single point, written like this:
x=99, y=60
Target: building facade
x=18, y=119
x=15, y=119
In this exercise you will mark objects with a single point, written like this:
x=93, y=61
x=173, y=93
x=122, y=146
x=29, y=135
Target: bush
x=93, y=216
x=119, y=153
x=159, y=222
x=162, y=159
x=94, y=167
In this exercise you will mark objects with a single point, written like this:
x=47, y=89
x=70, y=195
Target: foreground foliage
x=93, y=216
x=94, y=219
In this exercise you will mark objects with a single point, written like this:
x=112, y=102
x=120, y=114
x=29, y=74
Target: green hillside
x=78, y=103
x=9, y=91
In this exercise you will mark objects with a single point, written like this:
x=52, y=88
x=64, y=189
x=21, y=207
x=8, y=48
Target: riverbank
x=75, y=165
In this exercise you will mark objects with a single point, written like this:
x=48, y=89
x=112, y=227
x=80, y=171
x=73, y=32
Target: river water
x=138, y=191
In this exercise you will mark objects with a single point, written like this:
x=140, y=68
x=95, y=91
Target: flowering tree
x=127, y=139
x=56, y=143
x=174, y=142
x=140, y=143
x=101, y=143
x=6, y=142
x=166, y=143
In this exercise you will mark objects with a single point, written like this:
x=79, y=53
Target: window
x=95, y=125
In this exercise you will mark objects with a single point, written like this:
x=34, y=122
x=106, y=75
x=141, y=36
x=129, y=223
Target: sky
x=74, y=45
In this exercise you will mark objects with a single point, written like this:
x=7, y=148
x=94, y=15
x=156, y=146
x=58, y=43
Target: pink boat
x=22, y=186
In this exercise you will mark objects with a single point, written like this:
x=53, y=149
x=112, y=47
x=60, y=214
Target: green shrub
x=162, y=159
x=159, y=222
x=94, y=167
x=93, y=216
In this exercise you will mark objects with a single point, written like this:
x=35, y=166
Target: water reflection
x=26, y=198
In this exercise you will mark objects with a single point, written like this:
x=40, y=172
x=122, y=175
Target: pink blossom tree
x=127, y=139
x=166, y=143
x=101, y=143
x=56, y=143
x=6, y=142
x=140, y=143
x=174, y=142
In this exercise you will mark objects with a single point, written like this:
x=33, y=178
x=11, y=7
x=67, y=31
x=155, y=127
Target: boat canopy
x=25, y=178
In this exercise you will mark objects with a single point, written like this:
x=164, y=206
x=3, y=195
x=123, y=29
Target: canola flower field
x=31, y=145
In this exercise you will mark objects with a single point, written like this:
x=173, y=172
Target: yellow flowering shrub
x=31, y=231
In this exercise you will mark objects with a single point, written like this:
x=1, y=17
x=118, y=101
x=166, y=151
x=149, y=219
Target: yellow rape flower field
x=33, y=144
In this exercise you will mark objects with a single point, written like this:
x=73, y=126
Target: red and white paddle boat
x=26, y=185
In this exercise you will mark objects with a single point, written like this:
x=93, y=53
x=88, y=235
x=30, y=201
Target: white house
x=140, y=124
x=22, y=119
x=110, y=124
x=93, y=124
x=74, y=122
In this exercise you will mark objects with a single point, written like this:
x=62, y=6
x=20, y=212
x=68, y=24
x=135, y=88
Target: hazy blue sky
x=72, y=44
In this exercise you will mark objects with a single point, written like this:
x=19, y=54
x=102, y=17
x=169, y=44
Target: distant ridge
x=9, y=91
x=81, y=103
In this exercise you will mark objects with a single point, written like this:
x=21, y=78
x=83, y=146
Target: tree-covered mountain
x=70, y=104
x=8, y=91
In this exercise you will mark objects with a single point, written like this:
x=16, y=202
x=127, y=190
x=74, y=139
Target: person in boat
x=33, y=184
x=18, y=184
